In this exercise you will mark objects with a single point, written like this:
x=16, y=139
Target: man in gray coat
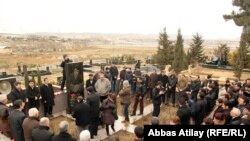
x=103, y=87
x=16, y=120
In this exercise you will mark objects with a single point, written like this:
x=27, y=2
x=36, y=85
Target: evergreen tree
x=164, y=55
x=179, y=62
x=189, y=57
x=241, y=18
x=39, y=79
x=242, y=60
x=196, y=50
x=26, y=76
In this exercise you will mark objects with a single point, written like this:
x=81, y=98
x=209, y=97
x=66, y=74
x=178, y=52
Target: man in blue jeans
x=125, y=94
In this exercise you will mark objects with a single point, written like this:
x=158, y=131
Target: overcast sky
x=119, y=16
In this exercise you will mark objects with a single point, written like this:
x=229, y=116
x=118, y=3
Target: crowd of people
x=199, y=102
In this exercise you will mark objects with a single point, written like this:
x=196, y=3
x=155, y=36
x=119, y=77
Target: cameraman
x=158, y=93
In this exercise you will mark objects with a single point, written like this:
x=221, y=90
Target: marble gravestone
x=74, y=82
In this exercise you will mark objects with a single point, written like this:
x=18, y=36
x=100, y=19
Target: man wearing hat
x=125, y=99
x=90, y=81
x=93, y=100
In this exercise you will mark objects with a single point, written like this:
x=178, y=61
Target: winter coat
x=16, y=94
x=31, y=94
x=184, y=114
x=81, y=113
x=41, y=133
x=125, y=95
x=93, y=100
x=63, y=136
x=47, y=94
x=4, y=121
x=16, y=120
x=29, y=123
x=108, y=106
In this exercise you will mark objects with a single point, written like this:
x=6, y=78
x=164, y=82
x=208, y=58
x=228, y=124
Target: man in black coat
x=93, y=100
x=81, y=113
x=63, y=65
x=195, y=87
x=48, y=96
x=139, y=94
x=63, y=135
x=42, y=133
x=173, y=80
x=114, y=74
x=199, y=109
x=157, y=94
x=33, y=95
x=90, y=81
x=16, y=120
x=17, y=93
x=184, y=113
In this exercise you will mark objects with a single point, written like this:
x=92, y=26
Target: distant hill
x=127, y=40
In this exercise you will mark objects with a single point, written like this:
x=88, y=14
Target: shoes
x=140, y=114
x=125, y=121
x=132, y=115
x=113, y=129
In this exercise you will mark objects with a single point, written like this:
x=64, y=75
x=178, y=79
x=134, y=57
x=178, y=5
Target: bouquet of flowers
x=72, y=99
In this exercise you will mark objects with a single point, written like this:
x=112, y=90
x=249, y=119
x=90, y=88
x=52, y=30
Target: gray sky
x=119, y=16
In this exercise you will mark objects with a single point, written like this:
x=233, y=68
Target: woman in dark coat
x=108, y=106
x=48, y=96
x=33, y=95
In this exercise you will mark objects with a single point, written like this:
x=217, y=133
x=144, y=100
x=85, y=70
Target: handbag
x=114, y=112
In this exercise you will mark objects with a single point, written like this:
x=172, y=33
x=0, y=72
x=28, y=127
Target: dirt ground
x=119, y=106
x=54, y=125
x=123, y=136
x=166, y=113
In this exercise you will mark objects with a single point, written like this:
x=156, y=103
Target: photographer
x=158, y=93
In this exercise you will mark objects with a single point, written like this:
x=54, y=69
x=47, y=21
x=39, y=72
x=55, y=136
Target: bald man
x=63, y=135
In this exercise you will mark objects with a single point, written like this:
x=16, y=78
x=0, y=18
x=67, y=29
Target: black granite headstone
x=74, y=83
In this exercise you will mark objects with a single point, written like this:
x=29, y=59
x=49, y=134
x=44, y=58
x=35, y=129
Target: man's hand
x=140, y=97
x=36, y=98
x=45, y=101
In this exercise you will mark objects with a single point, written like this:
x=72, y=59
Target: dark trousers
x=156, y=110
x=93, y=126
x=63, y=81
x=113, y=85
x=47, y=110
x=125, y=111
x=171, y=93
x=107, y=128
x=33, y=105
x=138, y=100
